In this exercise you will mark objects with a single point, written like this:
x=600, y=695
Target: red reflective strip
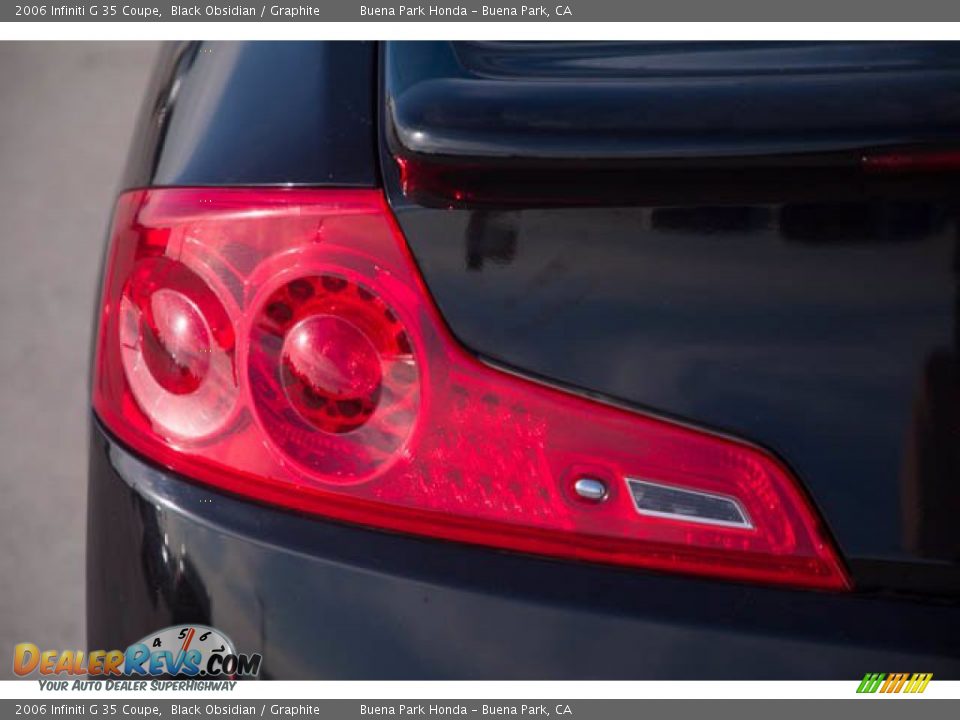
x=920, y=161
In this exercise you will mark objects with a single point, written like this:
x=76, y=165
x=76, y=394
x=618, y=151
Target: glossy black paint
x=667, y=100
x=322, y=600
x=258, y=113
x=812, y=310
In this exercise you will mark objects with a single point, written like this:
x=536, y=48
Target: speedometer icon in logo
x=192, y=651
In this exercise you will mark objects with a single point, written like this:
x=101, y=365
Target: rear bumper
x=323, y=600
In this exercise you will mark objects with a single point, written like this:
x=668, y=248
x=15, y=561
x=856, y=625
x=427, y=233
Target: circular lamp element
x=176, y=342
x=331, y=373
x=177, y=349
x=334, y=375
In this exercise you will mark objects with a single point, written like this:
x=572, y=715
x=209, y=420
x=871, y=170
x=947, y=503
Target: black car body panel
x=805, y=306
x=576, y=101
x=259, y=113
x=323, y=600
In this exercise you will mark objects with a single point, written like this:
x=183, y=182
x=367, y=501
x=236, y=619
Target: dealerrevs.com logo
x=192, y=651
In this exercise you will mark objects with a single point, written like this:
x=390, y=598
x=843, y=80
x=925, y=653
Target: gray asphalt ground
x=66, y=117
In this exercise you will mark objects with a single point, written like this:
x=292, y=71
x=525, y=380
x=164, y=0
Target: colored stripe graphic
x=919, y=682
x=894, y=683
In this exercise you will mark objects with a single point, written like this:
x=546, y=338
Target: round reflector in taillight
x=175, y=341
x=177, y=349
x=334, y=376
x=330, y=373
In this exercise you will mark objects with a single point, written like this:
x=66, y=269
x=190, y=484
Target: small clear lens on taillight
x=280, y=344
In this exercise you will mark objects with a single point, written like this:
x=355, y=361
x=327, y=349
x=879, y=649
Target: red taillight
x=280, y=344
x=912, y=161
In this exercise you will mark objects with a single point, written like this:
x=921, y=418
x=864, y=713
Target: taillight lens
x=918, y=160
x=281, y=345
